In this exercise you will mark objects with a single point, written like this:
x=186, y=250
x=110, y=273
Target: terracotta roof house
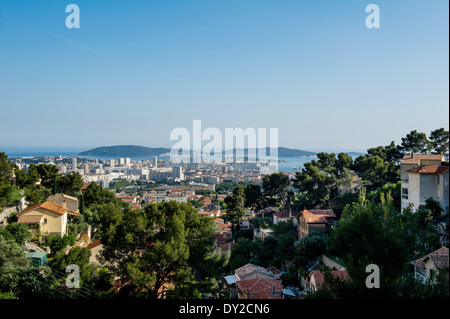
x=266, y=212
x=275, y=271
x=422, y=159
x=34, y=222
x=285, y=215
x=427, y=267
x=85, y=187
x=53, y=217
x=316, y=278
x=259, y=288
x=95, y=247
x=67, y=201
x=426, y=181
x=31, y=219
x=315, y=220
x=251, y=271
x=424, y=176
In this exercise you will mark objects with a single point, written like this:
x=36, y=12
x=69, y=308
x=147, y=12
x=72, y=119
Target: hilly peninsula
x=126, y=151
x=140, y=151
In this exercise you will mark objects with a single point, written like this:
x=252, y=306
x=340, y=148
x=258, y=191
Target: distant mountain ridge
x=139, y=151
x=142, y=151
x=126, y=151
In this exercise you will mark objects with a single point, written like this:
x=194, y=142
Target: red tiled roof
x=318, y=216
x=94, y=244
x=48, y=206
x=319, y=278
x=285, y=213
x=30, y=219
x=85, y=186
x=248, y=269
x=439, y=257
x=416, y=158
x=429, y=169
x=259, y=285
x=274, y=270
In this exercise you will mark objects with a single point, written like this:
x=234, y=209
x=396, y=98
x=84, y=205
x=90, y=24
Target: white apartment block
x=423, y=176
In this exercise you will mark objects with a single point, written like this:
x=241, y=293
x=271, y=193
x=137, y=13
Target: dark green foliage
x=434, y=206
x=236, y=206
x=276, y=189
x=376, y=233
x=311, y=246
x=5, y=180
x=439, y=140
x=160, y=244
x=314, y=182
x=415, y=142
x=96, y=195
x=20, y=232
x=57, y=243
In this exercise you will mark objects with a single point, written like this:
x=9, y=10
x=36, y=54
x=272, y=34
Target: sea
x=286, y=164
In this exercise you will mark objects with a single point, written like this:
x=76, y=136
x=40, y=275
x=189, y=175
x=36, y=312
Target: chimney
x=273, y=290
x=412, y=154
x=64, y=204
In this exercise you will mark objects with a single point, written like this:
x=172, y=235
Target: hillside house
x=423, y=176
x=429, y=266
x=51, y=218
x=315, y=220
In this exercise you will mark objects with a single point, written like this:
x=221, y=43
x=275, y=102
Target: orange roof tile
x=429, y=169
x=48, y=206
x=318, y=216
x=94, y=244
x=416, y=158
x=285, y=213
x=439, y=258
x=30, y=219
x=319, y=278
x=259, y=285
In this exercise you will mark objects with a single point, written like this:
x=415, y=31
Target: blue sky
x=137, y=69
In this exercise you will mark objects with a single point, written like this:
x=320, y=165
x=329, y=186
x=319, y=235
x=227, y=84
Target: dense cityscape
x=283, y=234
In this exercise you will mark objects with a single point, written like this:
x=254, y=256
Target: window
x=432, y=275
x=404, y=193
x=45, y=220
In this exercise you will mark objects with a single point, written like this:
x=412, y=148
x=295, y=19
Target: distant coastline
x=286, y=163
x=138, y=151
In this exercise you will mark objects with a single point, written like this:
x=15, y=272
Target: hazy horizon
x=32, y=149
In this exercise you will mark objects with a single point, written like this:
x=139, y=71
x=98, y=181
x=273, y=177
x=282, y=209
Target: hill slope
x=139, y=151
x=126, y=151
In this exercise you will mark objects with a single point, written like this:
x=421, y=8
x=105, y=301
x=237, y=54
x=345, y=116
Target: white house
x=423, y=176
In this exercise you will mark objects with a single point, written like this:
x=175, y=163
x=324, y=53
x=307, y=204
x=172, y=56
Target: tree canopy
x=161, y=244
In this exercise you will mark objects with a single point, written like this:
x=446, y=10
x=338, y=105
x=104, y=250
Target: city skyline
x=134, y=72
